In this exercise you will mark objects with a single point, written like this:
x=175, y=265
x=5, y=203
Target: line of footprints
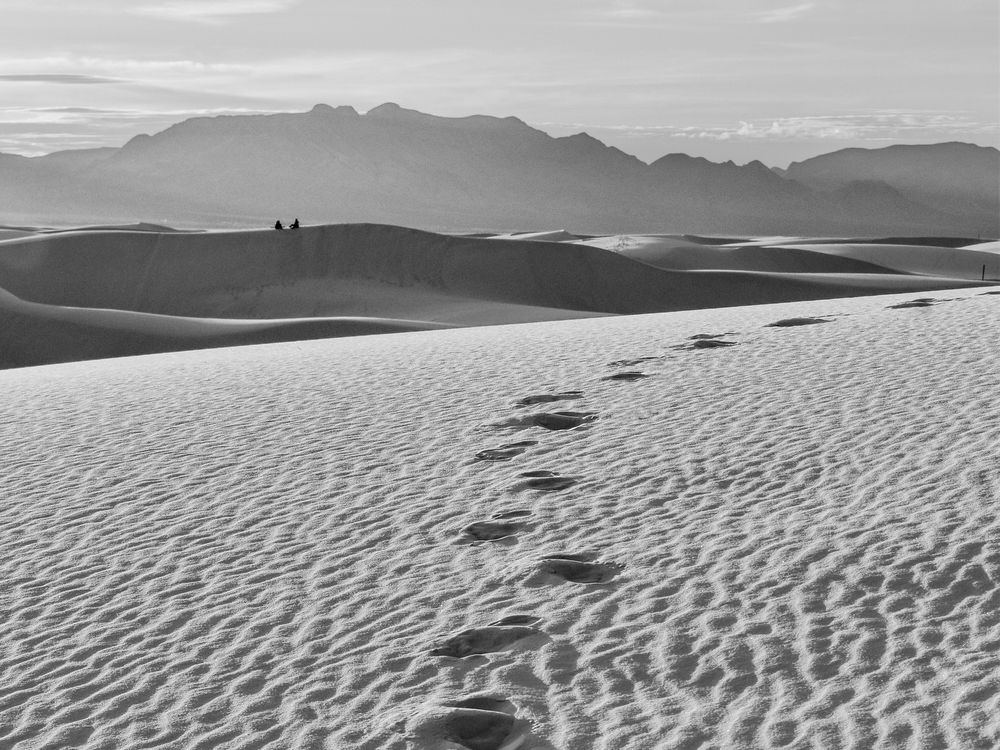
x=487, y=722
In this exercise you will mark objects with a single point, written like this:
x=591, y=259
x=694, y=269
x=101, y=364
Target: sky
x=774, y=80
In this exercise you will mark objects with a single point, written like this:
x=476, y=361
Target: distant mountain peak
x=327, y=110
x=402, y=166
x=685, y=161
x=680, y=160
x=391, y=110
x=584, y=138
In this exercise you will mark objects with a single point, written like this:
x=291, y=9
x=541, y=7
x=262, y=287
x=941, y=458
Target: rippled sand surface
x=680, y=530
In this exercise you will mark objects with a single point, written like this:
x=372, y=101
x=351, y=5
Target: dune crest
x=327, y=280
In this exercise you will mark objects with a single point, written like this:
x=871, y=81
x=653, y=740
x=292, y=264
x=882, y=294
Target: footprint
x=708, y=344
x=482, y=703
x=791, y=322
x=579, y=568
x=512, y=514
x=626, y=376
x=707, y=336
x=921, y=302
x=563, y=420
x=548, y=481
x=476, y=723
x=490, y=531
x=516, y=620
x=505, y=452
x=546, y=398
x=486, y=640
x=631, y=362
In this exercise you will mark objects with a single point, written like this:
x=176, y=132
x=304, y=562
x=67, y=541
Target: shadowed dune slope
x=37, y=334
x=679, y=255
x=958, y=263
x=384, y=271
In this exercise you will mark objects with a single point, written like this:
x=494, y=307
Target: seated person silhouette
x=277, y=224
x=295, y=224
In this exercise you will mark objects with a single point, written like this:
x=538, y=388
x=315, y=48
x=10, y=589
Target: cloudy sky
x=774, y=80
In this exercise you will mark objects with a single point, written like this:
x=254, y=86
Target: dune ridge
x=36, y=334
x=399, y=279
x=788, y=541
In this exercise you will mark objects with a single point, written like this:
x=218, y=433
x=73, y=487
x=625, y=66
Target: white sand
x=806, y=256
x=59, y=290
x=956, y=263
x=555, y=235
x=259, y=547
x=985, y=247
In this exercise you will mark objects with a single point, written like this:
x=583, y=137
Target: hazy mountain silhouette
x=400, y=166
x=958, y=178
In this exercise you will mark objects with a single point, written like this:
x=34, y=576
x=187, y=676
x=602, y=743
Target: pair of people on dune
x=293, y=225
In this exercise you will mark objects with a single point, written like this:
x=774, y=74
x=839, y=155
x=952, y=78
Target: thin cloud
x=79, y=110
x=629, y=13
x=884, y=125
x=189, y=72
x=30, y=131
x=211, y=11
x=58, y=78
x=873, y=126
x=126, y=117
x=784, y=15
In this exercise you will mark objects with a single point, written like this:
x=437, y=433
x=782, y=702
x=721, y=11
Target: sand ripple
x=255, y=547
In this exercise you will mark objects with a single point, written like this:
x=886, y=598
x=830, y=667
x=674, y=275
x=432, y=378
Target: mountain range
x=399, y=166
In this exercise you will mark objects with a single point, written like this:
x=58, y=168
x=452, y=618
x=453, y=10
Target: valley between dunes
x=102, y=292
x=767, y=526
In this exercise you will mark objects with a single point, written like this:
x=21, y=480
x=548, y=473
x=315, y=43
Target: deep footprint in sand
x=505, y=452
x=516, y=620
x=631, y=362
x=708, y=336
x=547, y=398
x=563, y=420
x=626, y=376
x=512, y=514
x=578, y=568
x=492, y=530
x=792, y=322
x=921, y=302
x=487, y=640
x=547, y=481
x=708, y=344
x=484, y=722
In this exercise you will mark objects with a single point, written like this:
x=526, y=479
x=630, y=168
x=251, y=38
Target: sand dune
x=36, y=334
x=956, y=263
x=806, y=255
x=402, y=275
x=789, y=541
x=556, y=235
x=674, y=254
x=984, y=247
x=12, y=233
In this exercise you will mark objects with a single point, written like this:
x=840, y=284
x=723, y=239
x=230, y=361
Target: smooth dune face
x=805, y=255
x=679, y=255
x=363, y=278
x=36, y=334
x=957, y=263
x=985, y=247
x=787, y=541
